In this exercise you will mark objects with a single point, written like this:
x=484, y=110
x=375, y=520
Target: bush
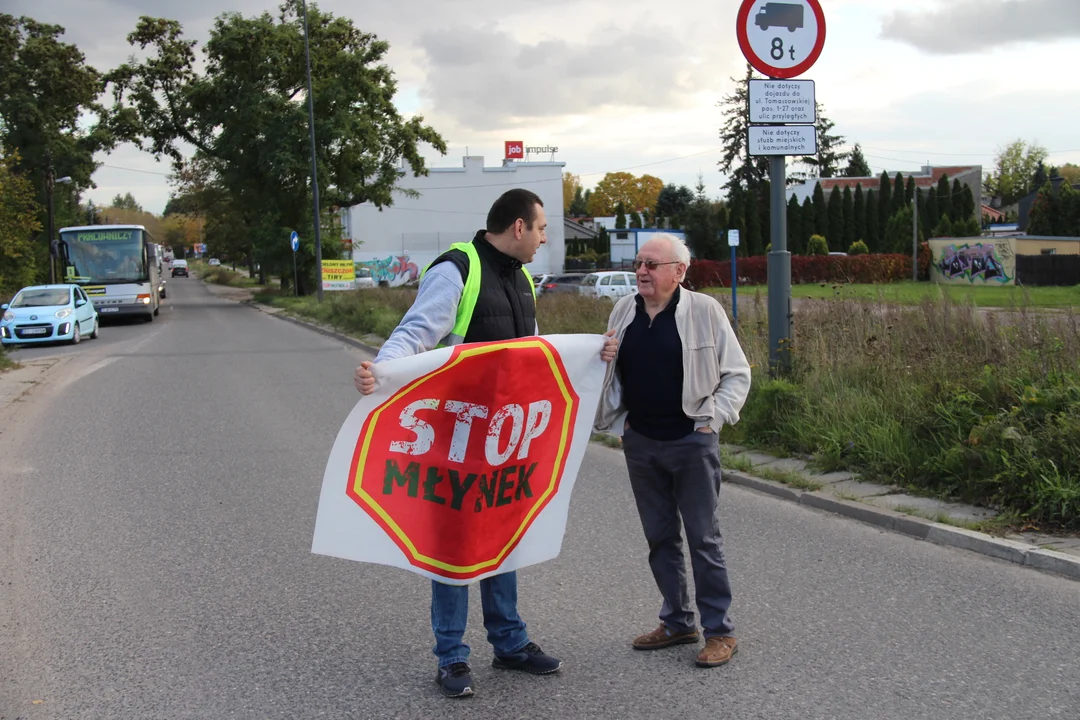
x=817, y=245
x=858, y=248
x=804, y=269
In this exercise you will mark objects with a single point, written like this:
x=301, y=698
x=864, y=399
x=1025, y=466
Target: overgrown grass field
x=913, y=293
x=937, y=396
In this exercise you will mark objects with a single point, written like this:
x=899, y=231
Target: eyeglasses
x=652, y=264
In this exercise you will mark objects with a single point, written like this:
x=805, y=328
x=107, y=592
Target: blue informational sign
x=294, y=240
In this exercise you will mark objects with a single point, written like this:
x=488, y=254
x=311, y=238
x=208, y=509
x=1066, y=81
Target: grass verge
x=912, y=293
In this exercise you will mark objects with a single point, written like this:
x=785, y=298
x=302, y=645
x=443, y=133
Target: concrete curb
x=348, y=340
x=1000, y=548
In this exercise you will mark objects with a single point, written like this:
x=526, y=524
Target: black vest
x=506, y=308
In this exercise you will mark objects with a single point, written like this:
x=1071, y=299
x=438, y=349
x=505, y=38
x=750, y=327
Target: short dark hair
x=510, y=206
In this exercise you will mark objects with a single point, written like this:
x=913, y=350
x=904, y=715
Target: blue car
x=48, y=313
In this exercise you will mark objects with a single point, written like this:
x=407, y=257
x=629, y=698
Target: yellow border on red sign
x=358, y=489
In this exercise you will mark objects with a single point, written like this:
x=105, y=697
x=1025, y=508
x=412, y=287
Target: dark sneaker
x=663, y=637
x=530, y=658
x=455, y=680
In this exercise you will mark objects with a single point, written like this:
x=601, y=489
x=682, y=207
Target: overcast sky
x=630, y=84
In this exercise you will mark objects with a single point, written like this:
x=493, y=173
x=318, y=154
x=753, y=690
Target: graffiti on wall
x=984, y=262
x=393, y=270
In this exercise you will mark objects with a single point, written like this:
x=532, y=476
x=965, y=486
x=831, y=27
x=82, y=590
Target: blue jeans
x=450, y=612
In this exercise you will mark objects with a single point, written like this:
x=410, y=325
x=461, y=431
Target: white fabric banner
x=461, y=464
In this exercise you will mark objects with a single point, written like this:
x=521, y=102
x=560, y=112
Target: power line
x=993, y=154
x=147, y=172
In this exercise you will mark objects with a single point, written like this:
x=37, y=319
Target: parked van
x=612, y=284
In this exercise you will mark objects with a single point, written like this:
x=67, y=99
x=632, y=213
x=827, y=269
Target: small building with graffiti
x=447, y=206
x=1000, y=260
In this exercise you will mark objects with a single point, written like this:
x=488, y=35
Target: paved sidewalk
x=17, y=383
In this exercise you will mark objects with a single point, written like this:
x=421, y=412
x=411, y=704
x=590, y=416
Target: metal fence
x=1048, y=269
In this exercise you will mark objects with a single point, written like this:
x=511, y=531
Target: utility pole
x=314, y=165
x=50, y=183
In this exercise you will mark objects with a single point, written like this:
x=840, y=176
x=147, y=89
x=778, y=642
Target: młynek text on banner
x=461, y=464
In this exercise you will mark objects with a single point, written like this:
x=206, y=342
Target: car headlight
x=9, y=316
x=63, y=313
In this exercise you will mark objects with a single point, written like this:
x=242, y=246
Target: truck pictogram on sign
x=776, y=14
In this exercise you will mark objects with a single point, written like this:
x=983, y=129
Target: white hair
x=679, y=251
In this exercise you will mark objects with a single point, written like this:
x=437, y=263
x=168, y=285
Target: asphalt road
x=157, y=501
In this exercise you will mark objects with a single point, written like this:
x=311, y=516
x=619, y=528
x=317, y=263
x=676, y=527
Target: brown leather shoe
x=663, y=637
x=717, y=651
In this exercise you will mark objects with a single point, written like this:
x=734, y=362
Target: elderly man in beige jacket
x=679, y=376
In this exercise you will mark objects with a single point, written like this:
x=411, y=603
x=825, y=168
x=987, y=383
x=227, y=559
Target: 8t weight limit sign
x=781, y=39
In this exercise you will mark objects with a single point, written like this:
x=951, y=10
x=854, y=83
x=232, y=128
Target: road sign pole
x=734, y=296
x=295, y=283
x=779, y=273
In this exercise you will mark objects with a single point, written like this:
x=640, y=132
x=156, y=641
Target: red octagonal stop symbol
x=457, y=465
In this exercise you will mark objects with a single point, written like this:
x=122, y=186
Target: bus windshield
x=105, y=256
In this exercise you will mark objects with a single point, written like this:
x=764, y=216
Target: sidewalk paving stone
x=931, y=508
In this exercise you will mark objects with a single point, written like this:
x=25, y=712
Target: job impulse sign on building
x=461, y=464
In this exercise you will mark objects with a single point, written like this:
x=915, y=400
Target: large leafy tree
x=246, y=116
x=18, y=223
x=635, y=193
x=1013, y=176
x=50, y=117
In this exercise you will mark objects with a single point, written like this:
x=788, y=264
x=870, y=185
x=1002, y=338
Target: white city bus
x=116, y=265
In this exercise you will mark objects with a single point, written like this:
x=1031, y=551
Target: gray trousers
x=676, y=477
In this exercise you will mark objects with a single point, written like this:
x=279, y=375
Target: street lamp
x=314, y=167
x=49, y=184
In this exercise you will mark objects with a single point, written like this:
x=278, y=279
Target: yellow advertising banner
x=338, y=275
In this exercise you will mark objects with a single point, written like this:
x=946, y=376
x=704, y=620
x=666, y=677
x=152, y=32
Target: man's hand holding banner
x=461, y=463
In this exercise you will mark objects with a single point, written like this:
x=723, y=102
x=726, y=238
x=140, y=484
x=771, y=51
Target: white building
x=399, y=241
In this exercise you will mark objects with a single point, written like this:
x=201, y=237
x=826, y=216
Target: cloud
x=484, y=77
x=971, y=26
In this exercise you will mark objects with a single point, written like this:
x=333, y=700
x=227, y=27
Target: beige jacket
x=716, y=376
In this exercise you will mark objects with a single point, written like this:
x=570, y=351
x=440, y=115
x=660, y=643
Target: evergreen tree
x=932, y=214
x=753, y=233
x=857, y=165
x=849, y=218
x=898, y=233
x=620, y=217
x=737, y=218
x=829, y=158
x=635, y=220
x=957, y=202
x=898, y=193
x=909, y=190
x=809, y=221
x=836, y=221
x=944, y=227
x=794, y=226
x=884, y=200
x=859, y=209
x=743, y=170
x=969, y=205
x=944, y=198
x=578, y=207
x=872, y=222
x=821, y=212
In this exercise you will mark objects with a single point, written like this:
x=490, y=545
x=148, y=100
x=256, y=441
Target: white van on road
x=612, y=284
